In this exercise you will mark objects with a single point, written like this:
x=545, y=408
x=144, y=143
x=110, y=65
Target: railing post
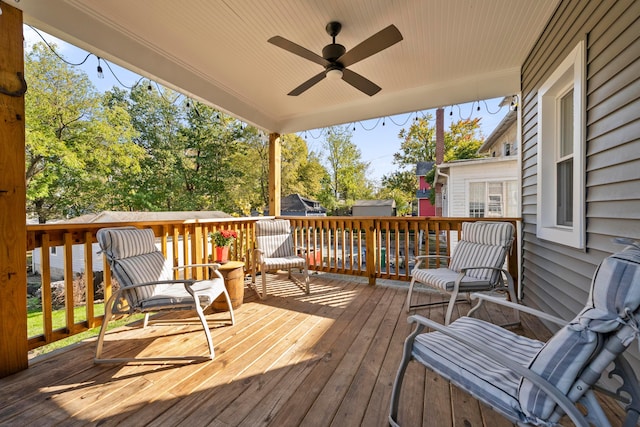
x=370, y=246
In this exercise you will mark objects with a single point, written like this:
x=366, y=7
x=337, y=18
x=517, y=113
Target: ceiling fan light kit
x=335, y=59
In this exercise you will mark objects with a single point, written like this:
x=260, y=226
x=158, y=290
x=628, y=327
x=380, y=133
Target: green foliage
x=73, y=140
x=347, y=179
x=461, y=141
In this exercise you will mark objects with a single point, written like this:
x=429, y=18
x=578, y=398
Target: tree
x=347, y=174
x=302, y=171
x=461, y=141
x=73, y=139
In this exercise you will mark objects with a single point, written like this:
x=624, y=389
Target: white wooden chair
x=274, y=251
x=147, y=286
x=475, y=265
x=535, y=383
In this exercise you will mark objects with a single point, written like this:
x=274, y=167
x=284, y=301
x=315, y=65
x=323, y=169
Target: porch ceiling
x=453, y=51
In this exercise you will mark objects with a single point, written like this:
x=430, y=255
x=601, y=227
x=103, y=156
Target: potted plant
x=222, y=240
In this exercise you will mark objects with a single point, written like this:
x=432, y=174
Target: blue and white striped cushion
x=614, y=291
x=491, y=383
x=273, y=238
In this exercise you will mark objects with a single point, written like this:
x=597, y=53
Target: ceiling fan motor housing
x=333, y=51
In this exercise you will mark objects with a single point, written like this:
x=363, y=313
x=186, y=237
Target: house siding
x=556, y=278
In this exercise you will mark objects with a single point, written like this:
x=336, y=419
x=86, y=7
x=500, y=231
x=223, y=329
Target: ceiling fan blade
x=360, y=83
x=298, y=50
x=306, y=85
x=381, y=40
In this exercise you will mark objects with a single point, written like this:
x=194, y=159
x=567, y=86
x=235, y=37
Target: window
x=561, y=133
x=53, y=250
x=487, y=199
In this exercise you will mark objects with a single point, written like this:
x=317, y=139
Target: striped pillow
x=488, y=233
x=125, y=242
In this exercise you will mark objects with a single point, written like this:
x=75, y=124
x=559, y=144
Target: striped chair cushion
x=125, y=242
x=444, y=278
x=470, y=254
x=273, y=238
x=488, y=233
x=283, y=263
x=614, y=291
x=483, y=244
x=489, y=382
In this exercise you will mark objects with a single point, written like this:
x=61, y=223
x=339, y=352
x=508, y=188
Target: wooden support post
x=13, y=226
x=275, y=173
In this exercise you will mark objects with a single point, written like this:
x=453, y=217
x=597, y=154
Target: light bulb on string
x=100, y=73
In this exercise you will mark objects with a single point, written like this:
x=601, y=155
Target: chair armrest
x=520, y=307
x=561, y=400
x=213, y=265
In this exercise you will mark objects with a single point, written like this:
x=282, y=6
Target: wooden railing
x=373, y=247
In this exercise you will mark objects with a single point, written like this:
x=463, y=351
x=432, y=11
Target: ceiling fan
x=335, y=59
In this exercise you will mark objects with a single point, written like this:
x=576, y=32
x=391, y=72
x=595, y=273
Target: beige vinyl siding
x=556, y=278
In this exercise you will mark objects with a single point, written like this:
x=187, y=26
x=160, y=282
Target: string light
x=100, y=73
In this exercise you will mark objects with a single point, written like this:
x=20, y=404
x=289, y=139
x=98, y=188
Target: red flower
x=224, y=237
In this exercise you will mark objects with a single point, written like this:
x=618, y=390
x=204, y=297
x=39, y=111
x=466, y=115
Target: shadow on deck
x=328, y=358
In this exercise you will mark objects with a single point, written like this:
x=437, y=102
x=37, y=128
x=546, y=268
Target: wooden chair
x=275, y=251
x=147, y=286
x=475, y=265
x=535, y=383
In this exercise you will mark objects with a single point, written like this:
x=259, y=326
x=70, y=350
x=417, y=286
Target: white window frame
x=570, y=74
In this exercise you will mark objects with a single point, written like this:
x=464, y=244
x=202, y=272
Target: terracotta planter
x=222, y=254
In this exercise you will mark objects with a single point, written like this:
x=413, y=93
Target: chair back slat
x=273, y=238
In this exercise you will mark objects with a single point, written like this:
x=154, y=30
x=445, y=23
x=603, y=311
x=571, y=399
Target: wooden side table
x=233, y=273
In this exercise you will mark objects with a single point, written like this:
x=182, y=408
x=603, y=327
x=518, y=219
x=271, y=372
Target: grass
x=35, y=326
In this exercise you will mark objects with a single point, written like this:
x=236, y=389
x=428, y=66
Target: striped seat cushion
x=614, y=294
x=444, y=278
x=273, y=238
x=491, y=383
x=283, y=263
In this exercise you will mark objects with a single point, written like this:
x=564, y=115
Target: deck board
x=325, y=359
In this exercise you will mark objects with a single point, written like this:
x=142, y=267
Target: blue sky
x=377, y=143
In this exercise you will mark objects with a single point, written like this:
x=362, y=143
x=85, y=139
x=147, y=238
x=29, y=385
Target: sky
x=377, y=142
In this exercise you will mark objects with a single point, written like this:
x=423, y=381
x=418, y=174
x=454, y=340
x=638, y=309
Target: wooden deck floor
x=325, y=359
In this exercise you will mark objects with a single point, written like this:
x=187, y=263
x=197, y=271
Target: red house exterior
x=425, y=208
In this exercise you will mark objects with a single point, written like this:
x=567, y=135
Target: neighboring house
x=56, y=253
x=486, y=187
x=374, y=208
x=425, y=208
x=296, y=205
x=580, y=151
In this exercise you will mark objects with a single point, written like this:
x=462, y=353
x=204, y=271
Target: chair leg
x=408, y=304
x=108, y=310
x=452, y=303
x=397, y=383
x=205, y=326
x=306, y=278
x=145, y=322
x=233, y=317
x=263, y=273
